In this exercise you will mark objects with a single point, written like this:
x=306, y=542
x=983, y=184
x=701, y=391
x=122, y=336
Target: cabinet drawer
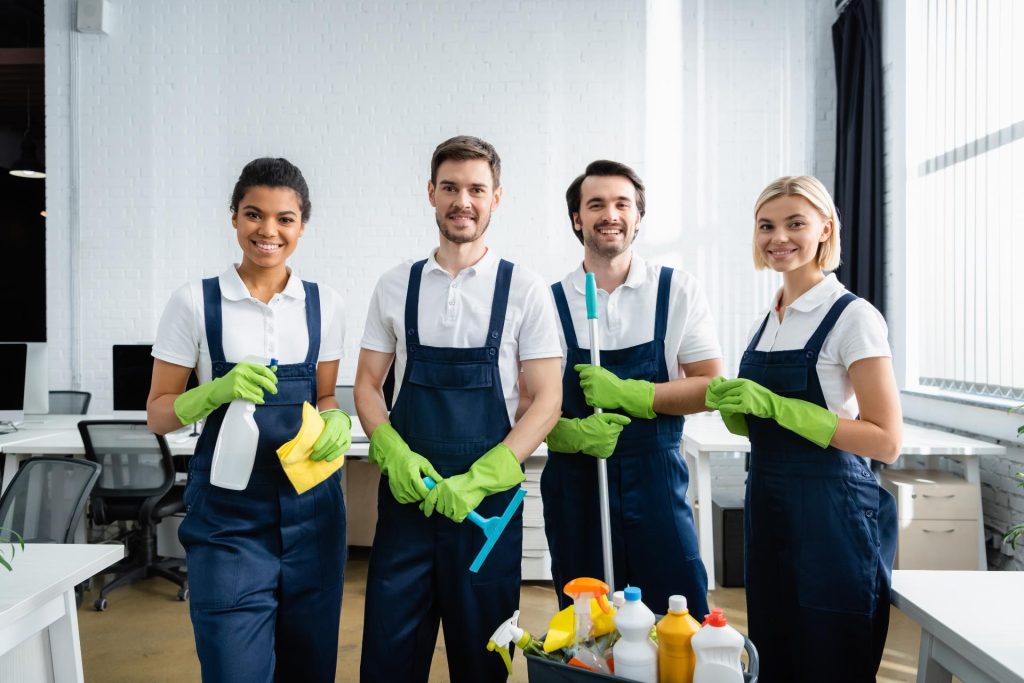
x=937, y=544
x=931, y=494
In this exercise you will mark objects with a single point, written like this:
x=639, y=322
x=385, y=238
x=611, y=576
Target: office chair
x=69, y=402
x=45, y=501
x=137, y=485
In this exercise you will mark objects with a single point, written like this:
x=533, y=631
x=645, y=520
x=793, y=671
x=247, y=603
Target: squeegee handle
x=473, y=516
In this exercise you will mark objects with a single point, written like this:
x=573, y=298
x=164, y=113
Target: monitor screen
x=13, y=359
x=133, y=371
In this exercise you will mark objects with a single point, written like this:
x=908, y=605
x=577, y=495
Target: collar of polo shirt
x=233, y=289
x=636, y=277
x=817, y=295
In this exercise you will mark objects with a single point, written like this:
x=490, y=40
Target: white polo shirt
x=626, y=316
x=456, y=311
x=860, y=332
x=250, y=327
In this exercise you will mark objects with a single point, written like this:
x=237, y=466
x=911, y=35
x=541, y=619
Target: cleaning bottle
x=676, y=661
x=509, y=632
x=235, y=450
x=582, y=591
x=636, y=657
x=717, y=647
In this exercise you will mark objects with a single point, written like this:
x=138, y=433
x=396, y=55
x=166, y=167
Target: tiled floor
x=145, y=634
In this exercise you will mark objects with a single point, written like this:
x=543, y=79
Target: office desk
x=38, y=616
x=972, y=623
x=705, y=433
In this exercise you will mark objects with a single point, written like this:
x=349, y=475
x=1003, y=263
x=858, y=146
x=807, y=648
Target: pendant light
x=28, y=164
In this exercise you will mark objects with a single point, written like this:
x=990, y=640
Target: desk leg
x=972, y=472
x=929, y=670
x=65, y=646
x=699, y=464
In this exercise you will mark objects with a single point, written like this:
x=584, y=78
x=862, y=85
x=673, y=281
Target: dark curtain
x=860, y=179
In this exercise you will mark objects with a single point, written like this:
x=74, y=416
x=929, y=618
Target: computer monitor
x=13, y=361
x=133, y=372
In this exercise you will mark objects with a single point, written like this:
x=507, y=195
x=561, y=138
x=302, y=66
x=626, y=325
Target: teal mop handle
x=602, y=465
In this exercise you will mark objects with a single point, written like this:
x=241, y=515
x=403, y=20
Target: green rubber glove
x=742, y=396
x=734, y=422
x=336, y=438
x=604, y=390
x=404, y=469
x=496, y=470
x=594, y=435
x=245, y=380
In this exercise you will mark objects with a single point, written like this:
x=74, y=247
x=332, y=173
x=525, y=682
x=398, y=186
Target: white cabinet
x=938, y=516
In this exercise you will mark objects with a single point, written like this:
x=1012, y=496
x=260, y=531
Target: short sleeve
x=177, y=336
x=378, y=335
x=860, y=333
x=332, y=334
x=700, y=336
x=538, y=335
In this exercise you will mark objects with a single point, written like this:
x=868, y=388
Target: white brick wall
x=173, y=103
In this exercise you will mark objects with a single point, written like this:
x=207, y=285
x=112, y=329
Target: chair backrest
x=136, y=462
x=69, y=402
x=46, y=498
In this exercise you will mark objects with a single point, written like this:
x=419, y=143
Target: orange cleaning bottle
x=676, y=661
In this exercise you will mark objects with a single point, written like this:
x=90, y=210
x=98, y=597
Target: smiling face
x=463, y=198
x=788, y=233
x=268, y=224
x=608, y=217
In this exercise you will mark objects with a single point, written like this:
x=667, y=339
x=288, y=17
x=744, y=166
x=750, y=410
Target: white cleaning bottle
x=235, y=451
x=636, y=657
x=717, y=647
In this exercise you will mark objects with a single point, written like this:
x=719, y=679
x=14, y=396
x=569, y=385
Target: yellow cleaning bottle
x=676, y=661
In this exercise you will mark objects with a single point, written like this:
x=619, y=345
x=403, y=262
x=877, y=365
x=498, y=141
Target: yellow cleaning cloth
x=294, y=455
x=562, y=627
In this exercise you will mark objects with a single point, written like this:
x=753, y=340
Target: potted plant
x=8, y=534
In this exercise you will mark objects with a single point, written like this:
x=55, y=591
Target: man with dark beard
x=459, y=325
x=659, y=351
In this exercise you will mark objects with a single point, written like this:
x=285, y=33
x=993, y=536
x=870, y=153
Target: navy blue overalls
x=653, y=537
x=451, y=410
x=265, y=565
x=820, y=535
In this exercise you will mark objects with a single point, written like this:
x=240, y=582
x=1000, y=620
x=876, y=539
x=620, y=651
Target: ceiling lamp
x=28, y=164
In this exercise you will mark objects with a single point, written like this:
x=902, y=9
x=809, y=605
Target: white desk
x=972, y=623
x=38, y=617
x=705, y=434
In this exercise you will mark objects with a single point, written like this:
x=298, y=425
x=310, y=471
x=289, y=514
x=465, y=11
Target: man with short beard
x=659, y=351
x=459, y=326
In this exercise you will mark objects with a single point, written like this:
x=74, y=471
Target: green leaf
x=5, y=563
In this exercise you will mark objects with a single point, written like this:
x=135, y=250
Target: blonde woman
x=816, y=396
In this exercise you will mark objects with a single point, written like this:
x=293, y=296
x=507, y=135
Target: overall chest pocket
x=784, y=378
x=454, y=376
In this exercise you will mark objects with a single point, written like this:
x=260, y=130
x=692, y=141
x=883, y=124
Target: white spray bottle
x=235, y=451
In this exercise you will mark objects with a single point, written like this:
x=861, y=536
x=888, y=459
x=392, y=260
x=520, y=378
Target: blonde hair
x=811, y=189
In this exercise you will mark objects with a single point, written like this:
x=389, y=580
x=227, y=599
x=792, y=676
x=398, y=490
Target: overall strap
x=568, y=329
x=214, y=322
x=661, y=312
x=818, y=338
x=312, y=321
x=757, y=337
x=412, y=303
x=499, y=305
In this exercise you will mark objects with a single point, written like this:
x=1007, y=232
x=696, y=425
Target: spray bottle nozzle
x=508, y=632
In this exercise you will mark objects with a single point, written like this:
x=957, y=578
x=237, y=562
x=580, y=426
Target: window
x=965, y=198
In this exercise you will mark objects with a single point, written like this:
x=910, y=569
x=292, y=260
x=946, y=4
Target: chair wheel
x=100, y=605
x=183, y=594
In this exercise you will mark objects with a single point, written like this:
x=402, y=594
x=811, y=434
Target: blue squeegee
x=491, y=526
